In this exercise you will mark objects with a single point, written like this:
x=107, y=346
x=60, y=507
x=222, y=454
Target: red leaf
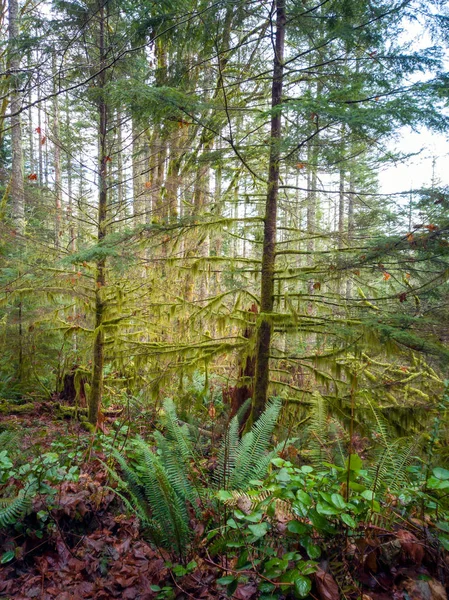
x=43, y=140
x=32, y=177
x=38, y=130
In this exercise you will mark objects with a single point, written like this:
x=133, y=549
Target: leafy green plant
x=163, y=486
x=241, y=460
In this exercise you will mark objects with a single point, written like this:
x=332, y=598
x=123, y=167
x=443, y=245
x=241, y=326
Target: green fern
x=324, y=434
x=174, y=432
x=390, y=469
x=251, y=455
x=168, y=509
x=9, y=441
x=14, y=509
x=161, y=486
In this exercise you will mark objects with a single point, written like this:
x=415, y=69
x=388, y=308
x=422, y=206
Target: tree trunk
x=57, y=159
x=100, y=277
x=265, y=329
x=350, y=224
x=17, y=190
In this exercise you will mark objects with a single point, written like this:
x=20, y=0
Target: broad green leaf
x=367, y=494
x=326, y=509
x=312, y=550
x=297, y=527
x=440, y=473
x=7, y=557
x=259, y=530
x=226, y=580
x=443, y=525
x=304, y=498
x=444, y=541
x=303, y=585
x=338, y=501
x=348, y=520
x=355, y=462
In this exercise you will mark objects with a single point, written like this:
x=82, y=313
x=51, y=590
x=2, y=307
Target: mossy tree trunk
x=100, y=275
x=265, y=328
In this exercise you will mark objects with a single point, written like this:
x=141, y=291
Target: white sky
x=417, y=171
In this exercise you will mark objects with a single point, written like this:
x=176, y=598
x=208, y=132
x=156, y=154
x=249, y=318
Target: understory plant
x=166, y=484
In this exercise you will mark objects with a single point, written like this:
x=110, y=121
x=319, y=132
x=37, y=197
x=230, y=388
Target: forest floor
x=77, y=543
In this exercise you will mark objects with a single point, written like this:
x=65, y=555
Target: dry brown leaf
x=326, y=585
x=437, y=590
x=411, y=546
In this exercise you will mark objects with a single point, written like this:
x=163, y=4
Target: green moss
x=15, y=409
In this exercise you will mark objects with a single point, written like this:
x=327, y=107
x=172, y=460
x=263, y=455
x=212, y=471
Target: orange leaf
x=43, y=140
x=32, y=177
x=300, y=165
x=431, y=227
x=407, y=275
x=410, y=237
x=377, y=98
x=108, y=159
x=386, y=276
x=148, y=184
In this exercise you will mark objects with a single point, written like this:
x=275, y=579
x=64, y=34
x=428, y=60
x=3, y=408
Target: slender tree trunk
x=265, y=329
x=30, y=122
x=70, y=213
x=137, y=162
x=57, y=160
x=17, y=190
x=40, y=157
x=100, y=277
x=350, y=224
x=121, y=193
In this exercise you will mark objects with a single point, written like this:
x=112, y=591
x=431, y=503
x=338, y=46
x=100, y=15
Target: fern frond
x=9, y=441
x=179, y=435
x=227, y=454
x=14, y=509
x=168, y=509
x=177, y=471
x=253, y=447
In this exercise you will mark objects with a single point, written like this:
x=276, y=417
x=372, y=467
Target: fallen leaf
x=326, y=585
x=437, y=590
x=411, y=546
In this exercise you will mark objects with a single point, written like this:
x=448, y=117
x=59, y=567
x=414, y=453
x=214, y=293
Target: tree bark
x=100, y=277
x=265, y=328
x=57, y=159
x=17, y=189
